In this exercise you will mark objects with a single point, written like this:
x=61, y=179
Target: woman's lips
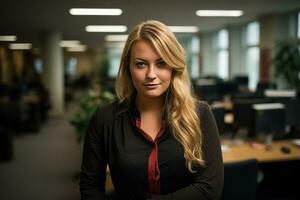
x=151, y=86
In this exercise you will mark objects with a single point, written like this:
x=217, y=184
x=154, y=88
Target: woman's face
x=151, y=76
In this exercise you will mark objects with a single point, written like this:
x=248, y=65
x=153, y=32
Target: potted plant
x=287, y=62
x=88, y=103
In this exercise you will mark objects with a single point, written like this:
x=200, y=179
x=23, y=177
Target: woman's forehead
x=144, y=49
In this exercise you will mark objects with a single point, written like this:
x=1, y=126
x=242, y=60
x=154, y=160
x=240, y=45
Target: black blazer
x=112, y=138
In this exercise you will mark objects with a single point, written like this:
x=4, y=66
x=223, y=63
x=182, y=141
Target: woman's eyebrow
x=157, y=60
x=141, y=59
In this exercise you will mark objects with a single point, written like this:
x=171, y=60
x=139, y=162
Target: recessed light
x=119, y=45
x=219, y=13
x=116, y=38
x=69, y=43
x=20, y=46
x=79, y=48
x=184, y=29
x=105, y=28
x=8, y=38
x=95, y=11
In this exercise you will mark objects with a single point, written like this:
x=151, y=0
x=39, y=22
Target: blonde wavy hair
x=180, y=104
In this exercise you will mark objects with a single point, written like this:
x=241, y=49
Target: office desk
x=246, y=151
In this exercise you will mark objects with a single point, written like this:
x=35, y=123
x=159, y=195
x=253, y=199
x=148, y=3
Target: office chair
x=240, y=180
x=219, y=114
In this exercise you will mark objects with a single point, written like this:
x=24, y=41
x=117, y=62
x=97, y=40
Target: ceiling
x=27, y=19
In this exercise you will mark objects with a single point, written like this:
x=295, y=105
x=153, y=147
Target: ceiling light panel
x=20, y=46
x=105, y=28
x=79, y=48
x=95, y=11
x=8, y=38
x=184, y=29
x=69, y=43
x=116, y=38
x=219, y=13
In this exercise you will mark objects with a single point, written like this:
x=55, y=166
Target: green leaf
x=88, y=104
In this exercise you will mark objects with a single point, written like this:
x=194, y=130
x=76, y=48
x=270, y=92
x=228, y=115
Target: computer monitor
x=293, y=112
x=244, y=116
x=206, y=89
x=207, y=92
x=266, y=85
x=269, y=119
x=263, y=86
x=292, y=106
x=228, y=88
x=293, y=117
x=242, y=81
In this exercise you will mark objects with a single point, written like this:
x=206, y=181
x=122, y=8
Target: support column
x=53, y=73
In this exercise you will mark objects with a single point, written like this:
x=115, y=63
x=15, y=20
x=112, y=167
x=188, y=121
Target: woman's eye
x=161, y=64
x=140, y=64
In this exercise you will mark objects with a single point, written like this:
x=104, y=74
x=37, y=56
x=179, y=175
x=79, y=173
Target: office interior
x=54, y=73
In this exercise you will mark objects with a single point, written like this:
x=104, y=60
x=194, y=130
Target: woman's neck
x=146, y=104
x=151, y=111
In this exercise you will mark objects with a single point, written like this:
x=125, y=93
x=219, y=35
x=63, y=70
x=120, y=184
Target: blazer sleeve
x=208, y=181
x=93, y=168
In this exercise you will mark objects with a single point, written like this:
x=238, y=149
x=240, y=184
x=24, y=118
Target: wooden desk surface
x=246, y=151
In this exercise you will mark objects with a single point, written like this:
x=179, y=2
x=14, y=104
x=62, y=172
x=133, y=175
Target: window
x=191, y=46
x=38, y=65
x=114, y=61
x=222, y=54
x=71, y=66
x=252, y=53
x=298, y=25
x=193, y=57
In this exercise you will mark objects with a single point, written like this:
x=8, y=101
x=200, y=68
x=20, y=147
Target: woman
x=157, y=139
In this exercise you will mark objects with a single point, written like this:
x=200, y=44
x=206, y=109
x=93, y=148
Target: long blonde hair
x=180, y=107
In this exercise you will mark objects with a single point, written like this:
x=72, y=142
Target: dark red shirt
x=153, y=168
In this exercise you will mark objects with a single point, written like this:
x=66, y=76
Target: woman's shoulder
x=203, y=107
x=111, y=109
x=107, y=107
x=205, y=112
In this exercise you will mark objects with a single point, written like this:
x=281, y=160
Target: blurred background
x=59, y=61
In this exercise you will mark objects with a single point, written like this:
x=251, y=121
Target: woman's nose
x=151, y=73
